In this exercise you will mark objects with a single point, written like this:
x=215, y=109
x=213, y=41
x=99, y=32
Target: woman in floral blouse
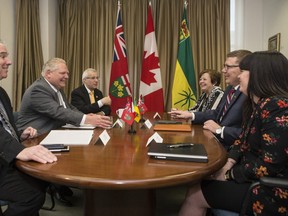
x=211, y=92
x=261, y=150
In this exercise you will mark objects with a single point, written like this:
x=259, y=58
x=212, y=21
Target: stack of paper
x=68, y=137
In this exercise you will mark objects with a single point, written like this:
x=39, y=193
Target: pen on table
x=181, y=145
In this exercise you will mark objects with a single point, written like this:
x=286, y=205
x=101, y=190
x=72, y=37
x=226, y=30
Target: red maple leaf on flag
x=149, y=63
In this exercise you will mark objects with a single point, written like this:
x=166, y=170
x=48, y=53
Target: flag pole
x=132, y=130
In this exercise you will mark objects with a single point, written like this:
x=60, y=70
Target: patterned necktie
x=6, y=124
x=92, y=98
x=228, y=100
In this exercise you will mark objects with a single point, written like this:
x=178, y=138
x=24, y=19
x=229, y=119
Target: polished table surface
x=123, y=164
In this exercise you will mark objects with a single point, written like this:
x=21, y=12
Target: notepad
x=192, y=152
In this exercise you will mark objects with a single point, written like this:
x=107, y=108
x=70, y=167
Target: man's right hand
x=37, y=153
x=98, y=120
x=180, y=114
x=106, y=100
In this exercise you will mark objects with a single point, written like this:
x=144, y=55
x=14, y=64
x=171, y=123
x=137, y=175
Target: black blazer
x=80, y=99
x=9, y=146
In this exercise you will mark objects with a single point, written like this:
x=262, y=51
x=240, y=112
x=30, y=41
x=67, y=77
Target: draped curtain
x=85, y=32
x=29, y=56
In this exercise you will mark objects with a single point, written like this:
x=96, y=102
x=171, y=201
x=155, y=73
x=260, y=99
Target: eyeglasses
x=226, y=66
x=92, y=78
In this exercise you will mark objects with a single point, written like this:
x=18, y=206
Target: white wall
x=261, y=19
x=7, y=34
x=275, y=21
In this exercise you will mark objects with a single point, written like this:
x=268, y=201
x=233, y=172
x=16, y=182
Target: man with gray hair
x=45, y=107
x=87, y=98
x=25, y=195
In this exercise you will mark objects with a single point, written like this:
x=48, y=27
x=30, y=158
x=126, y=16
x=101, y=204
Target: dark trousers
x=24, y=193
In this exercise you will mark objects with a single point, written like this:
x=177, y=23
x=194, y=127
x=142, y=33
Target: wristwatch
x=219, y=131
x=228, y=175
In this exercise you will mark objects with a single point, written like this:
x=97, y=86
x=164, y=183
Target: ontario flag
x=119, y=88
x=151, y=83
x=128, y=114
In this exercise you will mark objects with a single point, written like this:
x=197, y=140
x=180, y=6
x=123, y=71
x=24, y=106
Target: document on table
x=68, y=137
x=86, y=126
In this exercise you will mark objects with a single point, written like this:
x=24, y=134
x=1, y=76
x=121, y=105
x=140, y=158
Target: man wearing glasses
x=87, y=98
x=225, y=121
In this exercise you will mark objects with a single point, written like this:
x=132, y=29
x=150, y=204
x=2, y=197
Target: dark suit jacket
x=232, y=120
x=9, y=146
x=81, y=100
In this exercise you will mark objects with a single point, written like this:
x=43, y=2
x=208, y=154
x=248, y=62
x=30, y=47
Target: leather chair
x=266, y=181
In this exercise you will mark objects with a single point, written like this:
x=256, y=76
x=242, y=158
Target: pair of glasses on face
x=93, y=78
x=226, y=66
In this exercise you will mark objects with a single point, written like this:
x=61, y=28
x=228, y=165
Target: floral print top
x=262, y=150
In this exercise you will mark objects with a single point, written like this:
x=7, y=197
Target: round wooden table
x=119, y=178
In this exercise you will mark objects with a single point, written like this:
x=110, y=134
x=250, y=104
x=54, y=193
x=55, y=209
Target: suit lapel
x=85, y=94
x=234, y=99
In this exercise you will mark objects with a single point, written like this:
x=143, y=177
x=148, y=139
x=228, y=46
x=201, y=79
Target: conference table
x=119, y=178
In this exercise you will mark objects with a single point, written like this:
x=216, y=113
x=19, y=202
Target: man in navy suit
x=25, y=194
x=225, y=121
x=81, y=96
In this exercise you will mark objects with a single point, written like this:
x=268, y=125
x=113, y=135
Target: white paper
x=68, y=137
x=85, y=126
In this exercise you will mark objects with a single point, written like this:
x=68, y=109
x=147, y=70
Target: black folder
x=185, y=152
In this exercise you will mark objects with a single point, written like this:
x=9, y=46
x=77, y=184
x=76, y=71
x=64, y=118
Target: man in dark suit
x=87, y=98
x=25, y=195
x=225, y=121
x=45, y=107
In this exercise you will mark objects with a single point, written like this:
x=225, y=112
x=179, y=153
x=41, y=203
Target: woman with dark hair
x=211, y=92
x=261, y=150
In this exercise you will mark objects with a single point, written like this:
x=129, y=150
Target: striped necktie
x=228, y=100
x=92, y=98
x=6, y=123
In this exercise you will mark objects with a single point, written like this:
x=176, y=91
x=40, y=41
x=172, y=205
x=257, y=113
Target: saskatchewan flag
x=184, y=85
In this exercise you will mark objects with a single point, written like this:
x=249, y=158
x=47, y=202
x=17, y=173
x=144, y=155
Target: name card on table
x=156, y=137
x=147, y=124
x=103, y=137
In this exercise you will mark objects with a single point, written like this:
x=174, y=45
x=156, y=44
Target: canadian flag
x=151, y=83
